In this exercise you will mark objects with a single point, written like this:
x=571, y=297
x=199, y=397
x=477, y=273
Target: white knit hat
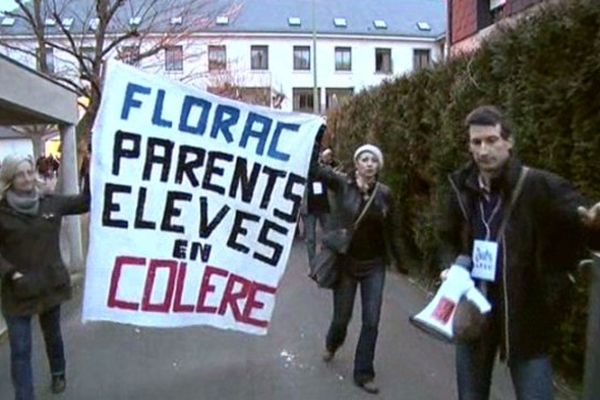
x=371, y=148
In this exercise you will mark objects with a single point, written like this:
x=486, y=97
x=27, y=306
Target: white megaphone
x=438, y=316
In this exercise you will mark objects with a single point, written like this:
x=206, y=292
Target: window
x=303, y=99
x=259, y=57
x=379, y=24
x=383, y=61
x=222, y=20
x=340, y=22
x=335, y=97
x=174, y=58
x=49, y=57
x=301, y=57
x=130, y=55
x=343, y=59
x=421, y=58
x=217, y=58
x=294, y=21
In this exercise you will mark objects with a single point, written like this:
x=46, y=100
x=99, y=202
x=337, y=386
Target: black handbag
x=335, y=243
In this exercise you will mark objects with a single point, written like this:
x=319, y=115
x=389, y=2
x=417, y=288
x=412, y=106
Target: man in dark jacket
x=544, y=230
x=317, y=207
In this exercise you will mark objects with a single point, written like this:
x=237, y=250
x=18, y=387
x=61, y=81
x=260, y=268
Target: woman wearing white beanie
x=371, y=248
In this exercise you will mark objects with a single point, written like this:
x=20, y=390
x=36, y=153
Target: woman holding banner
x=364, y=206
x=34, y=278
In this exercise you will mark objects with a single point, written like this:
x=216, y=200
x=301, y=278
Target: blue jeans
x=19, y=335
x=310, y=232
x=532, y=378
x=371, y=294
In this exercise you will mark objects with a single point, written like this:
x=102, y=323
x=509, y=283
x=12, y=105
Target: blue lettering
x=157, y=115
x=225, y=117
x=273, y=152
x=188, y=103
x=130, y=102
x=261, y=134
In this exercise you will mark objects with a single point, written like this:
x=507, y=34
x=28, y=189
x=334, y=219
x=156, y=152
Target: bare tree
x=89, y=31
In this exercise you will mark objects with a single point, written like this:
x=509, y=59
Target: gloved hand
x=590, y=216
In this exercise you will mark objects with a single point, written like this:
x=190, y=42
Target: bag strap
x=513, y=200
x=366, y=207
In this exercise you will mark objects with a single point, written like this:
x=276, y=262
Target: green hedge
x=543, y=71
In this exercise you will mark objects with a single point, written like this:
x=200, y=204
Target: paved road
x=113, y=362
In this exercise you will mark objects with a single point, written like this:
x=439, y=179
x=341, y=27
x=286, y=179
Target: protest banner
x=195, y=199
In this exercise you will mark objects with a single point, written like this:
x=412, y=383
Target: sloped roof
x=266, y=16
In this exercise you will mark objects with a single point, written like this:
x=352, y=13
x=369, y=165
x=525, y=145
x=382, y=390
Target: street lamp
x=316, y=99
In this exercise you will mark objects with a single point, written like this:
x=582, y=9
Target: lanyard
x=488, y=233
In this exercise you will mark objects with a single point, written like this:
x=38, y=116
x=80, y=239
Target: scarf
x=27, y=203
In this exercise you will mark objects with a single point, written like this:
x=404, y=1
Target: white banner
x=195, y=200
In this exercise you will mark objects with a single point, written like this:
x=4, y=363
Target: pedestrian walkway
x=119, y=362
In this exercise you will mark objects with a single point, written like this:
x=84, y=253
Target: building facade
x=264, y=52
x=470, y=21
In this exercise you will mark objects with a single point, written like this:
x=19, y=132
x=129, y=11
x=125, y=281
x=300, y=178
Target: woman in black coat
x=372, y=248
x=34, y=278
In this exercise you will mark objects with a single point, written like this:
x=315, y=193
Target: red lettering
x=207, y=288
x=120, y=262
x=231, y=298
x=177, y=306
x=253, y=304
x=165, y=306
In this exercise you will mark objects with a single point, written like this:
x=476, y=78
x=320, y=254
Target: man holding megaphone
x=523, y=228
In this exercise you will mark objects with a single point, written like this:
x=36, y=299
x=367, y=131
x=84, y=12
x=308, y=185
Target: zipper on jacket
x=460, y=203
x=506, y=337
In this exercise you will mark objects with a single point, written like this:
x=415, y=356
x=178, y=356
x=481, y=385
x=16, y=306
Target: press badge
x=317, y=188
x=485, y=256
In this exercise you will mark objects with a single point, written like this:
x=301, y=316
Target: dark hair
x=489, y=116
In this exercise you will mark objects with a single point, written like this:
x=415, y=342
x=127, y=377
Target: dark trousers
x=371, y=294
x=19, y=335
x=532, y=378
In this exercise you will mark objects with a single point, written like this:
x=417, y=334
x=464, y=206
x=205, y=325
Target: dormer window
x=7, y=21
x=93, y=24
x=222, y=20
x=340, y=22
x=294, y=21
x=135, y=21
x=67, y=22
x=49, y=22
x=176, y=20
x=423, y=26
x=379, y=24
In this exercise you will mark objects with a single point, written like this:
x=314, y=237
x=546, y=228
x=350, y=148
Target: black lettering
x=187, y=167
x=263, y=238
x=153, y=158
x=211, y=170
x=237, y=229
x=203, y=250
x=171, y=211
x=296, y=199
x=273, y=175
x=120, y=151
x=139, y=222
x=110, y=206
x=243, y=181
x=207, y=228
x=180, y=249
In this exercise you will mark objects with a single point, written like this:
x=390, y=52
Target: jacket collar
x=467, y=176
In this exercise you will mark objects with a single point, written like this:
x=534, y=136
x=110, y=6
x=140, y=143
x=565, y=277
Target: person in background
x=33, y=277
x=317, y=207
x=543, y=237
x=372, y=247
